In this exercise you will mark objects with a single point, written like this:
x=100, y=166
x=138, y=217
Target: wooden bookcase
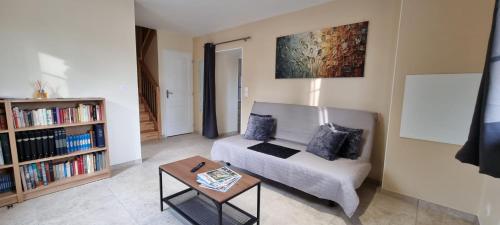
x=20, y=195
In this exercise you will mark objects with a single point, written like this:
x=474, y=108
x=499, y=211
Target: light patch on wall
x=314, y=92
x=53, y=71
x=323, y=115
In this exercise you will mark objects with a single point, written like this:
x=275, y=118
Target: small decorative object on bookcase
x=40, y=90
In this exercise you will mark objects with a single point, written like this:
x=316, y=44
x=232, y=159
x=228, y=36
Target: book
x=40, y=174
x=55, y=115
x=221, y=179
x=99, y=132
x=6, y=182
x=51, y=142
x=19, y=145
x=3, y=119
x=4, y=142
x=2, y=162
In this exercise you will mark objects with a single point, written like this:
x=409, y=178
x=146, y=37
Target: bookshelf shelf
x=73, y=154
x=8, y=198
x=67, y=183
x=49, y=100
x=87, y=107
x=5, y=166
x=58, y=126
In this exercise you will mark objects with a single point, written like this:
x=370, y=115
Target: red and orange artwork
x=326, y=53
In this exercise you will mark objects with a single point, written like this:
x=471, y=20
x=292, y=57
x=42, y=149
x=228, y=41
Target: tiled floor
x=131, y=197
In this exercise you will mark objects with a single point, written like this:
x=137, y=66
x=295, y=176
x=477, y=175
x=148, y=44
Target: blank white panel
x=439, y=107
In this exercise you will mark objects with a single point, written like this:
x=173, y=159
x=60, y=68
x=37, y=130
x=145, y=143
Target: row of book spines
x=5, y=156
x=48, y=143
x=6, y=183
x=42, y=174
x=54, y=116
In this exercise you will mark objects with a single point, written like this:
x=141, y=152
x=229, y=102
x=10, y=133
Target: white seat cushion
x=333, y=180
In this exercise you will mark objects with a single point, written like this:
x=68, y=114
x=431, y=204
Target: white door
x=177, y=92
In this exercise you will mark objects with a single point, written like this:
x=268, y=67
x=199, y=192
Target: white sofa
x=296, y=124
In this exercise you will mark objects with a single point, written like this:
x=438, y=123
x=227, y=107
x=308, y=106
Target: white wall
x=226, y=90
x=83, y=49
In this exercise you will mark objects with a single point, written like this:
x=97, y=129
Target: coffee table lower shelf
x=198, y=209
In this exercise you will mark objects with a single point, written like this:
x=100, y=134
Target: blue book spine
x=68, y=141
x=81, y=142
x=2, y=183
x=64, y=170
x=88, y=141
x=80, y=139
x=72, y=143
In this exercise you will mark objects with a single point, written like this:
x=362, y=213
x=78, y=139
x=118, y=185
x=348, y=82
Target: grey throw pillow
x=326, y=142
x=352, y=146
x=259, y=127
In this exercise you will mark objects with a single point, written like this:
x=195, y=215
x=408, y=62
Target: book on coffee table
x=221, y=179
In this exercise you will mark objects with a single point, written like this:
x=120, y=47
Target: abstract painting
x=326, y=53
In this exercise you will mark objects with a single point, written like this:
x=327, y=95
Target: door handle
x=169, y=93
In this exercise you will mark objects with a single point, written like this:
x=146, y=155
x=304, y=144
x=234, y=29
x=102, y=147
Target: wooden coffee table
x=204, y=206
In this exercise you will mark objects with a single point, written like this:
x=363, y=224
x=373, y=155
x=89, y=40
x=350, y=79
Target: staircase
x=149, y=130
x=149, y=89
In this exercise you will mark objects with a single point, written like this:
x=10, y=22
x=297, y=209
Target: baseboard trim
x=425, y=204
x=119, y=167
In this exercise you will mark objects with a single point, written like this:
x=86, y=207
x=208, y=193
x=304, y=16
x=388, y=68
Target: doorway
x=147, y=80
x=177, y=92
x=228, y=68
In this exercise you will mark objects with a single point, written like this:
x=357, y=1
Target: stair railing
x=149, y=92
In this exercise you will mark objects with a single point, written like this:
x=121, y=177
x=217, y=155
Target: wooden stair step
x=147, y=125
x=145, y=116
x=150, y=135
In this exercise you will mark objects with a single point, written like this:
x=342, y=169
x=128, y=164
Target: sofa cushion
x=327, y=142
x=298, y=123
x=333, y=180
x=351, y=148
x=260, y=127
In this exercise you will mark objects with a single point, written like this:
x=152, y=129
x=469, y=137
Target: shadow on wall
x=53, y=74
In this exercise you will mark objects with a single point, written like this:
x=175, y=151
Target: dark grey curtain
x=209, y=115
x=483, y=146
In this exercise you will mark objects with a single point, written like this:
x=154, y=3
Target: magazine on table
x=221, y=179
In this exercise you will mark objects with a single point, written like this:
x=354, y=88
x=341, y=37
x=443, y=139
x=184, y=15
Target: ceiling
x=198, y=17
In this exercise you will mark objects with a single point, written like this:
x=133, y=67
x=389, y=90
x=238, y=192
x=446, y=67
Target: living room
x=412, y=86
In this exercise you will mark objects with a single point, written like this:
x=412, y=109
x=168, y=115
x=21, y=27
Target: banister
x=147, y=73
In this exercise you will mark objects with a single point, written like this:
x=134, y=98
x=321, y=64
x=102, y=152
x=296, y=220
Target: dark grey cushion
x=326, y=142
x=352, y=146
x=259, y=127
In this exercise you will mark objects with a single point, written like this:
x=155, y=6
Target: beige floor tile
x=389, y=210
x=430, y=214
x=131, y=196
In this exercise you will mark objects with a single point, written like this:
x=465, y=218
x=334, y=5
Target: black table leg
x=161, y=190
x=258, y=204
x=219, y=209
